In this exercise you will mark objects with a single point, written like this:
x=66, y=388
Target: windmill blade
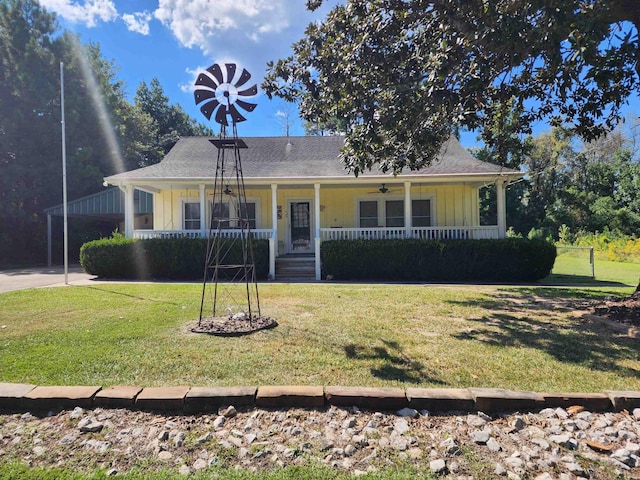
x=249, y=107
x=206, y=81
x=244, y=78
x=219, y=95
x=231, y=71
x=216, y=71
x=221, y=115
x=235, y=114
x=208, y=108
x=249, y=92
x=202, y=95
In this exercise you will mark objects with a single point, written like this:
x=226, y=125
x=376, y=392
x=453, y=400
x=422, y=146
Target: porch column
x=316, y=208
x=129, y=206
x=273, y=241
x=203, y=210
x=502, y=208
x=407, y=210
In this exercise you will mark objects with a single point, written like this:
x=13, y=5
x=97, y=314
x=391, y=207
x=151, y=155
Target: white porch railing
x=451, y=233
x=429, y=233
x=262, y=234
x=379, y=233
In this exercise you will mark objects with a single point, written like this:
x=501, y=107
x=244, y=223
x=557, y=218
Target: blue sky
x=174, y=40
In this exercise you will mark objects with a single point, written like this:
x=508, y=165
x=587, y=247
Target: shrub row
x=510, y=259
x=175, y=258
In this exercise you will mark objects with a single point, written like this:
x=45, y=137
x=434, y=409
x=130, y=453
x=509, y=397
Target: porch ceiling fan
x=383, y=189
x=228, y=191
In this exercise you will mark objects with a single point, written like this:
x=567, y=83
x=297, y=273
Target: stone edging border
x=191, y=400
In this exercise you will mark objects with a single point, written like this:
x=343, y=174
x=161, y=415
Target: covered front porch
x=296, y=217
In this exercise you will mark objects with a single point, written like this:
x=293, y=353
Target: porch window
x=368, y=213
x=220, y=216
x=228, y=215
x=191, y=216
x=248, y=210
x=421, y=213
x=394, y=213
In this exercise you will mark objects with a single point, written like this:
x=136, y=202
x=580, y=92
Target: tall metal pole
x=64, y=179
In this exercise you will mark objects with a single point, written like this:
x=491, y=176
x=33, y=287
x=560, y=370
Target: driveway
x=23, y=278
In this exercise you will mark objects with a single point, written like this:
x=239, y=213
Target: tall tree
x=104, y=132
x=403, y=72
x=333, y=126
x=547, y=175
x=29, y=124
x=511, y=152
x=170, y=121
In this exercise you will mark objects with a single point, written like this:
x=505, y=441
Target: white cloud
x=138, y=22
x=207, y=24
x=192, y=74
x=89, y=13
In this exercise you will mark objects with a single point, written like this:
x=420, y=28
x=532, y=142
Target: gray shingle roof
x=293, y=157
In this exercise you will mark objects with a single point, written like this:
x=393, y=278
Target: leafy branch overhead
x=406, y=73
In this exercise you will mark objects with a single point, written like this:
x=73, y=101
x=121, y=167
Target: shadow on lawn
x=135, y=297
x=537, y=318
x=396, y=365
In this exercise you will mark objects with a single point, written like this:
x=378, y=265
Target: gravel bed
x=550, y=444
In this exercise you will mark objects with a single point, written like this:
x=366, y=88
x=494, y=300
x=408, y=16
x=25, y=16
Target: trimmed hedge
x=504, y=260
x=173, y=259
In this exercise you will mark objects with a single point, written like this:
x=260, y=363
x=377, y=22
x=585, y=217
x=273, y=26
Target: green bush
x=175, y=258
x=612, y=245
x=505, y=260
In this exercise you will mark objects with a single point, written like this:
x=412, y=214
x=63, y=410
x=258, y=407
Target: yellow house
x=300, y=195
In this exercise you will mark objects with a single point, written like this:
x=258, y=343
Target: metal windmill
x=229, y=258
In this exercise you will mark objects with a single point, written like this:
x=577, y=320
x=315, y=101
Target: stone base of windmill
x=233, y=326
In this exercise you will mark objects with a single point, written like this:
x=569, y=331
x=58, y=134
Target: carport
x=105, y=205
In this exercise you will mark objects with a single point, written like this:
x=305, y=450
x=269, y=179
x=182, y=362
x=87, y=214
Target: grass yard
x=573, y=266
x=328, y=334
x=13, y=471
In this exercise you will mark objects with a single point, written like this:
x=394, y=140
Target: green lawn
x=573, y=266
x=13, y=471
x=328, y=334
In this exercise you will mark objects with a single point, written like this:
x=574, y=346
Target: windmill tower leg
x=230, y=287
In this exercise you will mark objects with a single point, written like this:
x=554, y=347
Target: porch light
x=227, y=190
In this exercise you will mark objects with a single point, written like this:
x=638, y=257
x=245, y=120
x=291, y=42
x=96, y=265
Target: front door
x=300, y=227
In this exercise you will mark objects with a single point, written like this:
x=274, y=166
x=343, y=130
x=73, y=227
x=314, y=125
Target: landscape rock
x=408, y=412
x=165, y=455
x=438, y=466
x=219, y=422
x=76, y=413
x=401, y=426
x=554, y=443
x=228, y=412
x=493, y=445
x=200, y=464
x=90, y=425
x=480, y=437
